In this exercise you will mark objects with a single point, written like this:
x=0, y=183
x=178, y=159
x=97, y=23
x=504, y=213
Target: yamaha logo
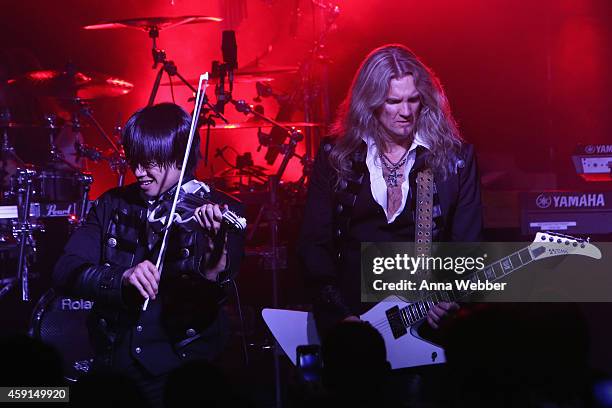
x=592, y=200
x=543, y=201
x=598, y=149
x=76, y=304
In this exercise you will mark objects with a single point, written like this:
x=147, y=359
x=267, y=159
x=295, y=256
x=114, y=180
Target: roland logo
x=583, y=201
x=76, y=304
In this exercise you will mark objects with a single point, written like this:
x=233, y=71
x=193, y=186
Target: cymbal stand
x=22, y=228
x=169, y=67
x=118, y=163
x=55, y=154
x=314, y=88
x=85, y=179
x=7, y=149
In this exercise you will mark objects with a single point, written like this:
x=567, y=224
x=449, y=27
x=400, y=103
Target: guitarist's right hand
x=352, y=318
x=439, y=312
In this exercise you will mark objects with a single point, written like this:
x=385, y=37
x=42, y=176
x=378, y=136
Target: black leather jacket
x=183, y=322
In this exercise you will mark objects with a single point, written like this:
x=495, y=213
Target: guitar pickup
x=394, y=318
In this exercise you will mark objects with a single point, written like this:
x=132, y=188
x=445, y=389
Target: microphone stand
x=271, y=212
x=159, y=57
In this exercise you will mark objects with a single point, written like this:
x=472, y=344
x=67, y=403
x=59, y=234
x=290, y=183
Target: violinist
x=110, y=259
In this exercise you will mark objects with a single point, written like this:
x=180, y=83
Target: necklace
x=393, y=168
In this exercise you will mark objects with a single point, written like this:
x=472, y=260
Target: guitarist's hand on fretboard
x=439, y=312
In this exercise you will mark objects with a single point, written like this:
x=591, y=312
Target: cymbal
x=238, y=79
x=262, y=124
x=249, y=74
x=18, y=125
x=256, y=69
x=149, y=23
x=67, y=85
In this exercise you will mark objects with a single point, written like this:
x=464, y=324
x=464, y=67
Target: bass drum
x=62, y=322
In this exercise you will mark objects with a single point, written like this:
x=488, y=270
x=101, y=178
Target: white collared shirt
x=378, y=184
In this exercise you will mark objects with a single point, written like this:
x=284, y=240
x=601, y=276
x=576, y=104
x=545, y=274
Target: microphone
x=229, y=48
x=293, y=23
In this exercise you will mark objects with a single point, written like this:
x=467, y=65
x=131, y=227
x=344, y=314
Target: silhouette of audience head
x=106, y=388
x=354, y=358
x=536, y=353
x=199, y=383
x=29, y=362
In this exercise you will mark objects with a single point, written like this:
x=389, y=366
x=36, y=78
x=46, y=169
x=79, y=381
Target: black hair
x=157, y=135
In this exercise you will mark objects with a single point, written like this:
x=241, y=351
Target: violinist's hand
x=217, y=260
x=209, y=217
x=144, y=277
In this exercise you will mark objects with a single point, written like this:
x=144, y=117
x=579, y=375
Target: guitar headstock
x=548, y=244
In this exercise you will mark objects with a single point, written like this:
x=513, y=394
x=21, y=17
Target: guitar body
x=407, y=349
x=397, y=321
x=404, y=348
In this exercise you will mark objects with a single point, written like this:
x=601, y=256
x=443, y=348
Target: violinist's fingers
x=209, y=217
x=199, y=215
x=148, y=283
x=134, y=282
x=217, y=218
x=152, y=269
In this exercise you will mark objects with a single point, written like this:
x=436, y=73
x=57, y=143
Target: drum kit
x=58, y=185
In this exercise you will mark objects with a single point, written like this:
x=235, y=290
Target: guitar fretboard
x=417, y=311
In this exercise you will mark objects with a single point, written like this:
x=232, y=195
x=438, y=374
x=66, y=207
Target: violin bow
x=201, y=92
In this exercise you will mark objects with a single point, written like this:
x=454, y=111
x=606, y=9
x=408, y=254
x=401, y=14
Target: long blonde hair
x=357, y=119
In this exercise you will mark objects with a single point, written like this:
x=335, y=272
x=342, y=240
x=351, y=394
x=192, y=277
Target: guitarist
x=394, y=122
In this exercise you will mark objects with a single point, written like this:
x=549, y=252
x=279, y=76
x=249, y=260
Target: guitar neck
x=417, y=311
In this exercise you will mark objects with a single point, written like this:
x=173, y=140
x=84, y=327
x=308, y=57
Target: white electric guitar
x=397, y=321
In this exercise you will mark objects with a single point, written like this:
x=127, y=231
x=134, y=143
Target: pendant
x=392, y=178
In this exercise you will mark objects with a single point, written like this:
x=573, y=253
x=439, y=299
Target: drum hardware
x=42, y=210
x=256, y=69
x=8, y=156
x=85, y=179
x=6, y=286
x=56, y=155
x=244, y=168
x=22, y=228
x=150, y=23
x=24, y=217
x=295, y=136
x=239, y=78
x=76, y=88
x=62, y=322
x=271, y=212
x=153, y=25
x=70, y=84
x=265, y=124
x=116, y=158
